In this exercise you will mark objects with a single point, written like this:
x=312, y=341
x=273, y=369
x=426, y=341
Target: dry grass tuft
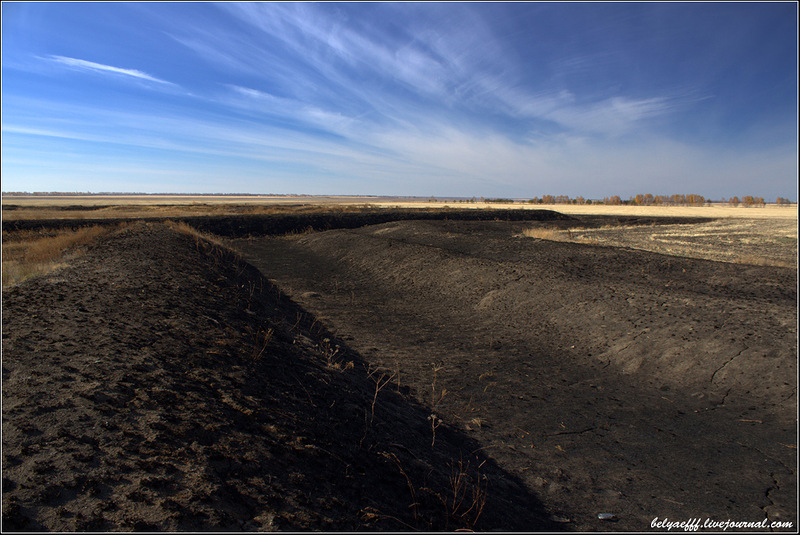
x=551, y=234
x=261, y=340
x=754, y=260
x=198, y=236
x=29, y=254
x=468, y=495
x=462, y=503
x=542, y=233
x=218, y=249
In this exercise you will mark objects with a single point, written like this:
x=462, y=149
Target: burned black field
x=412, y=374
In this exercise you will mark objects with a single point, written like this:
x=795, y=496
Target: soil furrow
x=551, y=337
x=158, y=419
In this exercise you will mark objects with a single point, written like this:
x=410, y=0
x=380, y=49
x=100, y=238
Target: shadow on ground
x=610, y=380
x=161, y=383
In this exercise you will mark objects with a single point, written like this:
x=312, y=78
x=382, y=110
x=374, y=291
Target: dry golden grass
x=756, y=241
x=181, y=200
x=546, y=234
x=28, y=254
x=161, y=206
x=769, y=211
x=567, y=235
x=134, y=206
x=169, y=211
x=716, y=210
x=189, y=230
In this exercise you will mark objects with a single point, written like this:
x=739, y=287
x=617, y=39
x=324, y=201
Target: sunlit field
x=757, y=241
x=134, y=206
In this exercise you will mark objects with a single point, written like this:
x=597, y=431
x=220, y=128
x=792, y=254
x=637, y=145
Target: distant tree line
x=641, y=199
x=494, y=200
x=648, y=199
x=749, y=200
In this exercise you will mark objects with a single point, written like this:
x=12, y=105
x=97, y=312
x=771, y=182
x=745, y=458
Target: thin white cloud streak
x=225, y=139
x=231, y=53
x=614, y=116
x=105, y=69
x=275, y=146
x=304, y=82
x=302, y=115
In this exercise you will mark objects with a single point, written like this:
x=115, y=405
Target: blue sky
x=453, y=99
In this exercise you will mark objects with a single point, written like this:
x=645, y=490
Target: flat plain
x=430, y=374
x=108, y=206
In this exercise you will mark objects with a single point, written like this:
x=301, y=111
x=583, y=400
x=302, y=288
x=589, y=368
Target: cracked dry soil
x=608, y=380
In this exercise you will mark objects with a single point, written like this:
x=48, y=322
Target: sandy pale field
x=110, y=205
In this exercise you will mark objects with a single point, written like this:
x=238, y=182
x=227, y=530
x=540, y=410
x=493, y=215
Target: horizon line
x=424, y=197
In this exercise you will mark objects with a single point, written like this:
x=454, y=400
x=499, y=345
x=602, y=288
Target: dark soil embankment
x=162, y=384
x=609, y=380
x=285, y=223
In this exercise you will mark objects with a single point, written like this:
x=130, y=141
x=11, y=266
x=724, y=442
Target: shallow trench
x=611, y=381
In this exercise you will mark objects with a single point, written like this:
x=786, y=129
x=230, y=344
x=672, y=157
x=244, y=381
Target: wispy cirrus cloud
x=425, y=61
x=434, y=73
x=291, y=110
x=613, y=116
x=91, y=66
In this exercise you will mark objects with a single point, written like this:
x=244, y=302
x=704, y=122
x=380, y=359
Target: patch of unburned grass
x=755, y=260
x=189, y=230
x=761, y=242
x=219, y=250
x=552, y=234
x=29, y=254
x=53, y=210
x=543, y=233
